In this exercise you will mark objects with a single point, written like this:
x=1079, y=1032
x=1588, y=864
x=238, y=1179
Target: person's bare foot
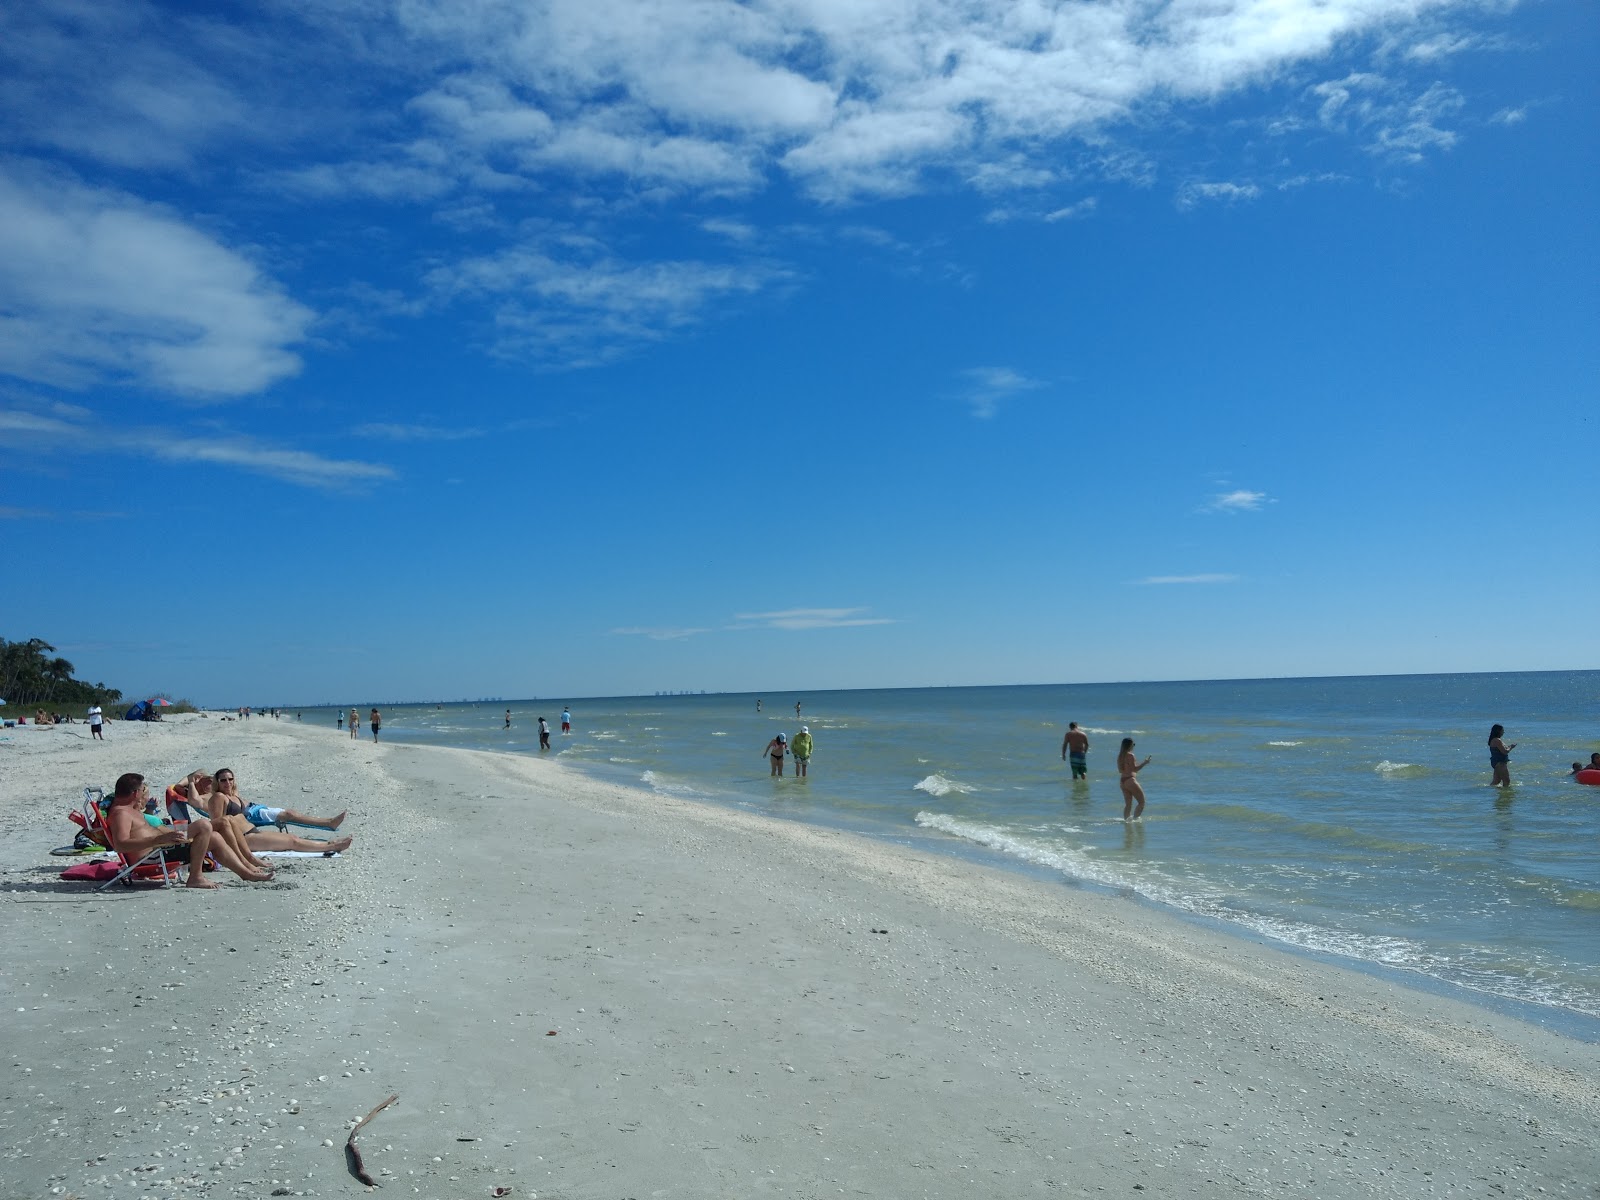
x=337, y=845
x=339, y=820
x=196, y=880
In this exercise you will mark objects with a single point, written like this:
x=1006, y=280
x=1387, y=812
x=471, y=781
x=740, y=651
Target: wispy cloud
x=988, y=387
x=660, y=633
x=1397, y=125
x=482, y=112
x=1181, y=579
x=1237, y=500
x=416, y=433
x=97, y=286
x=785, y=619
x=1191, y=194
x=62, y=430
x=578, y=303
x=808, y=618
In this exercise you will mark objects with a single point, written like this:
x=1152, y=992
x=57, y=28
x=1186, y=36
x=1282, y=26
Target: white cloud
x=573, y=301
x=122, y=84
x=1184, y=579
x=989, y=387
x=97, y=286
x=63, y=430
x=1238, y=500
x=415, y=433
x=1191, y=194
x=1399, y=126
x=1073, y=212
x=808, y=618
x=660, y=633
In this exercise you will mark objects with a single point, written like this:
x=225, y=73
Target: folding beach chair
x=153, y=865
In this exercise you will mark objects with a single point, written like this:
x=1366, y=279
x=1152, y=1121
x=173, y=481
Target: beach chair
x=153, y=865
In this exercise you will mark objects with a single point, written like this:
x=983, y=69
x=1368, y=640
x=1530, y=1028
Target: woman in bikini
x=1128, y=778
x=775, y=750
x=227, y=807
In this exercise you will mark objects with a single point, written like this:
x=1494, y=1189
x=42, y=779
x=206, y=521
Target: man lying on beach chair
x=135, y=836
x=248, y=833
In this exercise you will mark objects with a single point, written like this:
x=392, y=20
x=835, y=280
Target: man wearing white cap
x=801, y=749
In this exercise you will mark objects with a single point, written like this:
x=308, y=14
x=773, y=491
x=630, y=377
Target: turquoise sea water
x=1351, y=817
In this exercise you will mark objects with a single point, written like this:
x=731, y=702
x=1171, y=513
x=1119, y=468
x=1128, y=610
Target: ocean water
x=1348, y=817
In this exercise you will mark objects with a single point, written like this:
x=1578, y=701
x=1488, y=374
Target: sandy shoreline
x=725, y=1022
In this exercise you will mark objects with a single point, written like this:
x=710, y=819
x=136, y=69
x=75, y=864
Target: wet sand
x=581, y=990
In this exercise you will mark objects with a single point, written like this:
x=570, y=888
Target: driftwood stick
x=352, y=1155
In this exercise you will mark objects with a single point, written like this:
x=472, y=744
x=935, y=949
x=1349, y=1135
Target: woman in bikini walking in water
x=1128, y=778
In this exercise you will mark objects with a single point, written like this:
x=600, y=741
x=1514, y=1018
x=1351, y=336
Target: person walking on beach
x=775, y=749
x=544, y=734
x=377, y=720
x=1500, y=757
x=355, y=723
x=566, y=720
x=801, y=749
x=1076, y=743
x=96, y=720
x=1128, y=778
x=341, y=719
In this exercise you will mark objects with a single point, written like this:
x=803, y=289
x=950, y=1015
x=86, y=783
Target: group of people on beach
x=375, y=719
x=1075, y=751
x=1500, y=760
x=799, y=750
x=207, y=817
x=544, y=726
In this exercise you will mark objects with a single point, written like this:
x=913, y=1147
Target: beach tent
x=137, y=712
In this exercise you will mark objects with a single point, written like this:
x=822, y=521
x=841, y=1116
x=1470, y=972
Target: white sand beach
x=579, y=990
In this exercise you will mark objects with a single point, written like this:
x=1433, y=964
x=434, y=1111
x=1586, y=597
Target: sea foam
x=940, y=785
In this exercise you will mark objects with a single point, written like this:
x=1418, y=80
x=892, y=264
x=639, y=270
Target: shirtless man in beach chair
x=134, y=836
x=248, y=828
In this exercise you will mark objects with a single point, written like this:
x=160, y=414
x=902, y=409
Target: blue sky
x=447, y=350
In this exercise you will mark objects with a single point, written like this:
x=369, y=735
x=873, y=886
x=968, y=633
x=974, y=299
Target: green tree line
x=32, y=675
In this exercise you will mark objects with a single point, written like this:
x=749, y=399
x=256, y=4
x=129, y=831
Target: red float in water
x=1589, y=775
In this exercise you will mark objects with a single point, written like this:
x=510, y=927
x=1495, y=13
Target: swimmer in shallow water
x=1127, y=778
x=1500, y=757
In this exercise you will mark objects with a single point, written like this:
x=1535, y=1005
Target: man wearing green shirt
x=801, y=749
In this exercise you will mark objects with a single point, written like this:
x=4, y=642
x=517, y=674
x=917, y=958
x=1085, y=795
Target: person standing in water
x=340, y=722
x=775, y=749
x=1128, y=778
x=1500, y=757
x=566, y=720
x=801, y=749
x=508, y=718
x=377, y=720
x=758, y=703
x=797, y=709
x=544, y=734
x=1076, y=743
